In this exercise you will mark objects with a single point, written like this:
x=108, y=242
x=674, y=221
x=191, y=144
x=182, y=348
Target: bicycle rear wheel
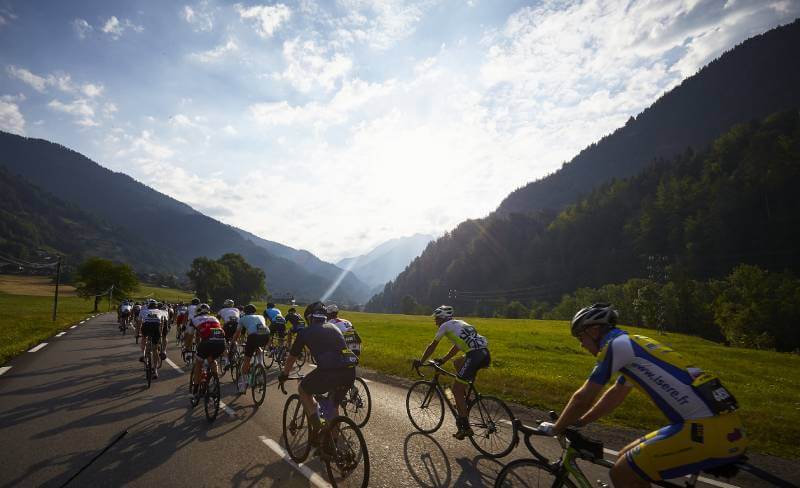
x=493, y=424
x=236, y=373
x=425, y=406
x=212, y=397
x=148, y=365
x=295, y=429
x=269, y=357
x=259, y=387
x=347, y=458
x=357, y=403
x=530, y=473
x=301, y=360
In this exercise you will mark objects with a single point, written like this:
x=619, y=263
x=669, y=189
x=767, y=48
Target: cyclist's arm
x=611, y=399
x=452, y=352
x=429, y=350
x=578, y=405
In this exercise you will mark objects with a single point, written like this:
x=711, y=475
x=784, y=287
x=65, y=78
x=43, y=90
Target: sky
x=334, y=126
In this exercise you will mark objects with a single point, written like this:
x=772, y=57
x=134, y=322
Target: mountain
x=387, y=260
x=176, y=232
x=495, y=254
x=756, y=78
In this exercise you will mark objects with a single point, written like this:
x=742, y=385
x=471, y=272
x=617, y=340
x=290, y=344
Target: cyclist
x=188, y=336
x=152, y=321
x=123, y=311
x=476, y=356
x=336, y=363
x=277, y=323
x=257, y=336
x=297, y=322
x=229, y=316
x=137, y=311
x=165, y=328
x=143, y=315
x=704, y=432
x=212, y=341
x=351, y=337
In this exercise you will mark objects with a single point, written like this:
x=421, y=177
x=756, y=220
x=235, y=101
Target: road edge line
x=37, y=348
x=174, y=366
x=313, y=477
x=4, y=370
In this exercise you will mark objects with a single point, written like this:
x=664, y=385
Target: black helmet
x=270, y=305
x=315, y=309
x=152, y=306
x=292, y=310
x=249, y=309
x=195, y=301
x=597, y=314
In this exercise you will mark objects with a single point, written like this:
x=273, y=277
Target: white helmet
x=228, y=303
x=597, y=314
x=332, y=308
x=443, y=312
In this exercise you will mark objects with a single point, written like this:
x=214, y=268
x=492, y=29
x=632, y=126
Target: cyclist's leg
x=467, y=370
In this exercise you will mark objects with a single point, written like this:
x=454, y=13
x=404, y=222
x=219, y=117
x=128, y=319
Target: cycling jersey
x=191, y=310
x=208, y=327
x=327, y=345
x=297, y=322
x=351, y=338
x=153, y=315
x=679, y=389
x=271, y=313
x=226, y=314
x=253, y=324
x=462, y=335
x=125, y=308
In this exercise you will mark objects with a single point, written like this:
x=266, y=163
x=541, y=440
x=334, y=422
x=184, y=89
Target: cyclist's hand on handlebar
x=416, y=364
x=547, y=428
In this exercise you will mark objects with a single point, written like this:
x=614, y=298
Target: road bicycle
x=256, y=377
x=152, y=359
x=340, y=443
x=357, y=402
x=124, y=324
x=489, y=417
x=208, y=389
x=565, y=472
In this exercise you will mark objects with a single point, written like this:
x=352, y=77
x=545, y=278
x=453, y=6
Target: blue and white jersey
x=663, y=374
x=271, y=313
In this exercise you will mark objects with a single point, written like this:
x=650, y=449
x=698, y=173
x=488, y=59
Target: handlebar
x=291, y=378
x=431, y=364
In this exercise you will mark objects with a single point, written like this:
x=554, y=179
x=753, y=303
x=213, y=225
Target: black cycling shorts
x=473, y=361
x=229, y=329
x=254, y=341
x=153, y=330
x=208, y=349
x=277, y=330
x=321, y=381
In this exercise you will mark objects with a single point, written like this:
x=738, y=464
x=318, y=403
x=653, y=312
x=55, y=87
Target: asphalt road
x=64, y=403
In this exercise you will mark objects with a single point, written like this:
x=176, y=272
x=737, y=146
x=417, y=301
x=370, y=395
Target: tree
x=516, y=310
x=207, y=276
x=409, y=305
x=231, y=276
x=96, y=276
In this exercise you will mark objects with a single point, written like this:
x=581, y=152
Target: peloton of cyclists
x=476, y=356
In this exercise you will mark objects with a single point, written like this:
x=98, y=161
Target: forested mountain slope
x=703, y=212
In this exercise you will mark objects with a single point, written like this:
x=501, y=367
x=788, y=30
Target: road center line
x=4, y=370
x=37, y=348
x=174, y=366
x=313, y=477
x=60, y=334
x=699, y=478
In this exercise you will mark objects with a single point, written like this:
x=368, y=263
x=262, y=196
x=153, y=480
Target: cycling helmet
x=228, y=303
x=332, y=308
x=249, y=309
x=195, y=301
x=270, y=305
x=162, y=306
x=203, y=308
x=152, y=305
x=292, y=310
x=443, y=312
x=597, y=314
x=316, y=309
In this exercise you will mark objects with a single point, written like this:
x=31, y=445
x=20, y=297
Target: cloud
x=92, y=90
x=199, y=18
x=81, y=109
x=309, y=65
x=11, y=119
x=268, y=18
x=381, y=23
x=217, y=53
x=82, y=28
x=115, y=28
x=36, y=82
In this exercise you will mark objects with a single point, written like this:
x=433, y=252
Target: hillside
x=703, y=212
x=119, y=199
x=756, y=78
x=387, y=260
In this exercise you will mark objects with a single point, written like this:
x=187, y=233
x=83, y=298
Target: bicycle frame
x=472, y=393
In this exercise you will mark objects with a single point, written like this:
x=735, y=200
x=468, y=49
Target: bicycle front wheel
x=530, y=473
x=295, y=429
x=357, y=403
x=347, y=458
x=148, y=366
x=259, y=387
x=493, y=424
x=425, y=406
x=212, y=398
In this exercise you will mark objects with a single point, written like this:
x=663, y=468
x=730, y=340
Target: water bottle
x=448, y=393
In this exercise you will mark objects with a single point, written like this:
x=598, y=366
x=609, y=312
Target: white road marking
x=4, y=370
x=60, y=334
x=227, y=409
x=82, y=321
x=37, y=348
x=73, y=326
x=699, y=478
x=174, y=366
x=313, y=477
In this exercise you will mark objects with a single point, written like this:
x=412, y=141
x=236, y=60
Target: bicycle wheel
x=493, y=424
x=528, y=473
x=148, y=365
x=236, y=373
x=425, y=406
x=269, y=357
x=212, y=397
x=295, y=429
x=259, y=386
x=347, y=458
x=357, y=403
x=301, y=360
x=157, y=356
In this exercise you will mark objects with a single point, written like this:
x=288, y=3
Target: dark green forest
x=683, y=225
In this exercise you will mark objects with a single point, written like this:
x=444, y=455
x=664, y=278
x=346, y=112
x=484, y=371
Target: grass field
x=539, y=364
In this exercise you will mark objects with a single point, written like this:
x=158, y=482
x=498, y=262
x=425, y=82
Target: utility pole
x=58, y=278
x=110, y=296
